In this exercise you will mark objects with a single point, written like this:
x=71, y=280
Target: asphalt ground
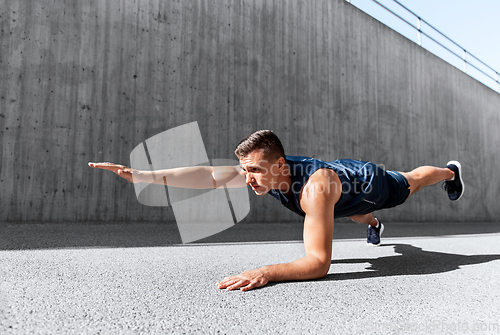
x=441, y=278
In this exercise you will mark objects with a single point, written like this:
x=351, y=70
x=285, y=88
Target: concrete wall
x=89, y=80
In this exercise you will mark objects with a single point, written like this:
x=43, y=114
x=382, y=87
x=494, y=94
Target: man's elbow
x=322, y=267
x=323, y=270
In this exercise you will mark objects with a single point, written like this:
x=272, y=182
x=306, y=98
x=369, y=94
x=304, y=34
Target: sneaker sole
x=380, y=235
x=459, y=166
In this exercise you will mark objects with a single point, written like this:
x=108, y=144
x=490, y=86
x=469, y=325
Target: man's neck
x=284, y=180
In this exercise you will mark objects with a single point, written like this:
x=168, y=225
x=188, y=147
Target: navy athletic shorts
x=399, y=189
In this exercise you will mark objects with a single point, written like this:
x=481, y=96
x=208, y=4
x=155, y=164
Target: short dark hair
x=264, y=140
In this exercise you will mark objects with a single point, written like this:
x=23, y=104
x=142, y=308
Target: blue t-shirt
x=365, y=186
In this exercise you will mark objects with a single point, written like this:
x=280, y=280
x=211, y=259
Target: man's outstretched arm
x=318, y=200
x=196, y=177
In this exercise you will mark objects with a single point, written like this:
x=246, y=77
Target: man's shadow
x=410, y=261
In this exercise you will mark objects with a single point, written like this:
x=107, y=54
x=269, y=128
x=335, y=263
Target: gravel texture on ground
x=442, y=284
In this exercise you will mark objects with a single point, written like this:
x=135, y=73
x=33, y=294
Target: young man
x=319, y=191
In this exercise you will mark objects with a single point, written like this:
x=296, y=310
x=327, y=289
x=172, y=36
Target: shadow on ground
x=410, y=261
x=20, y=236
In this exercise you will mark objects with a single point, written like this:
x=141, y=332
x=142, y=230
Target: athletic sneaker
x=373, y=234
x=455, y=187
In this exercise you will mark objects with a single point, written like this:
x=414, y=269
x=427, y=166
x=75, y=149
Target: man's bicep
x=229, y=176
x=318, y=200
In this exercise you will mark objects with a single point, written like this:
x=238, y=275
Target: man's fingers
x=248, y=287
x=116, y=168
x=238, y=284
x=244, y=285
x=252, y=284
x=121, y=170
x=232, y=283
x=245, y=281
x=106, y=166
x=226, y=282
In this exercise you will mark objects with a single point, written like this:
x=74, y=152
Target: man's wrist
x=143, y=177
x=266, y=272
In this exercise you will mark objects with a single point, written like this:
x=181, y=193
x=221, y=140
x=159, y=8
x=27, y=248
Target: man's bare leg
x=368, y=219
x=425, y=176
x=373, y=232
x=418, y=178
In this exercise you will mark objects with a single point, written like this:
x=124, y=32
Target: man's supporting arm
x=318, y=200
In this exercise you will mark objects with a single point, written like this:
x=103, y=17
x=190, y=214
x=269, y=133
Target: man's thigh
x=414, y=182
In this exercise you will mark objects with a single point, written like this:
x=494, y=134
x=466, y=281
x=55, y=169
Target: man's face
x=260, y=174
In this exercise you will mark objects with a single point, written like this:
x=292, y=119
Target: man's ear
x=281, y=163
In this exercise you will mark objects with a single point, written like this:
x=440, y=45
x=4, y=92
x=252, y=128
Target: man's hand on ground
x=244, y=281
